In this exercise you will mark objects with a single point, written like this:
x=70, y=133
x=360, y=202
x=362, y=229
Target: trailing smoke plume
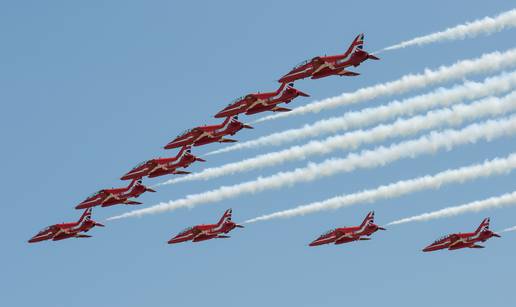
x=494, y=167
x=380, y=156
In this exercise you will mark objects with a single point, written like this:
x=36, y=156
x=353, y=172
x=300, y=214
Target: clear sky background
x=88, y=89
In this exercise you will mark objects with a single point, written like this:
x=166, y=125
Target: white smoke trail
x=491, y=106
x=380, y=156
x=493, y=167
x=476, y=206
x=484, y=26
x=513, y=228
x=486, y=63
x=365, y=117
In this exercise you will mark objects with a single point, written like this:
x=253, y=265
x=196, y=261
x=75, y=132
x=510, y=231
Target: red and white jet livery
x=323, y=66
x=163, y=166
x=67, y=230
x=207, y=231
x=209, y=134
x=110, y=197
x=464, y=240
x=261, y=102
x=349, y=234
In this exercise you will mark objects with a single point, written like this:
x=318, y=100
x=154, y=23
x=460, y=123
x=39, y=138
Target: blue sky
x=89, y=89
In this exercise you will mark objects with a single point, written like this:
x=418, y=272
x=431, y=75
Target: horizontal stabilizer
x=83, y=236
x=223, y=237
x=476, y=246
x=302, y=94
x=132, y=202
x=348, y=73
x=227, y=141
x=364, y=239
x=280, y=109
x=181, y=172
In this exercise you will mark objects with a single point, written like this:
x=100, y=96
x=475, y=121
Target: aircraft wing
x=203, y=237
x=319, y=64
x=344, y=237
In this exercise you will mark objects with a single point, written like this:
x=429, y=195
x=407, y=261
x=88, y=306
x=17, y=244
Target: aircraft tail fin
x=86, y=216
x=369, y=219
x=233, y=120
x=483, y=226
x=282, y=87
x=229, y=120
x=357, y=44
x=187, y=149
x=226, y=217
x=133, y=182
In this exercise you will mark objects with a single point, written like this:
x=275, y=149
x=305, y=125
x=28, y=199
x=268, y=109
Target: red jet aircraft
x=464, y=240
x=67, y=230
x=163, y=166
x=261, y=102
x=207, y=231
x=323, y=66
x=110, y=197
x=349, y=234
x=209, y=134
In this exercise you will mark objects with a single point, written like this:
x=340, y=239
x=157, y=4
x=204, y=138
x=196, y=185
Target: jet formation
x=250, y=104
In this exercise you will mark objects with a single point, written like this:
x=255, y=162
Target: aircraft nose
x=33, y=239
x=172, y=241
x=125, y=177
x=314, y=243
x=427, y=249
